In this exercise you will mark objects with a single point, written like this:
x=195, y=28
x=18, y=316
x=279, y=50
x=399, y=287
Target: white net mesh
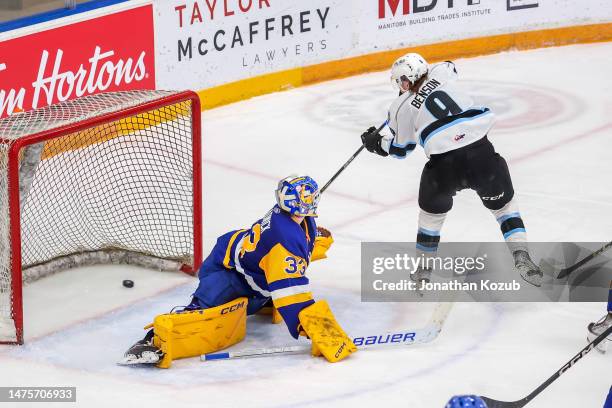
x=115, y=192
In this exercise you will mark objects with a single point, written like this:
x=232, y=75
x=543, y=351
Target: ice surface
x=553, y=128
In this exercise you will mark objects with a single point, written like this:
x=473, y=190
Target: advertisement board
x=203, y=43
x=108, y=53
x=206, y=43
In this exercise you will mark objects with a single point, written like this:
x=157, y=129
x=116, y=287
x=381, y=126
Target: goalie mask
x=411, y=67
x=298, y=195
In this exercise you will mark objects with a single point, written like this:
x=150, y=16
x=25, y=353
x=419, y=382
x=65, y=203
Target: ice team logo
x=47, y=67
x=459, y=137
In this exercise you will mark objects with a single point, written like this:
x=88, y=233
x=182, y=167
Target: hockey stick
x=377, y=131
x=565, y=272
x=408, y=337
x=491, y=403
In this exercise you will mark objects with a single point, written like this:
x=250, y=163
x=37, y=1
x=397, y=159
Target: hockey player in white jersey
x=433, y=112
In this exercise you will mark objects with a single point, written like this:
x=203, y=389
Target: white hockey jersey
x=439, y=117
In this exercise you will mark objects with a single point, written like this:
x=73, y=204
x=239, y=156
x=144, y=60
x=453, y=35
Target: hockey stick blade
x=407, y=337
x=565, y=272
x=491, y=403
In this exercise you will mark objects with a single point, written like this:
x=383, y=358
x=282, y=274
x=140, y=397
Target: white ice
x=554, y=110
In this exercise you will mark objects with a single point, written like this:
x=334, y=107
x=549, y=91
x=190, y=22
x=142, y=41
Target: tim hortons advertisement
x=110, y=53
x=202, y=43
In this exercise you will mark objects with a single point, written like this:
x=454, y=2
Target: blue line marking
x=514, y=231
x=55, y=14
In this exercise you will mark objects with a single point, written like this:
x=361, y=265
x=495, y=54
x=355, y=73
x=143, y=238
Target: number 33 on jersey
x=273, y=257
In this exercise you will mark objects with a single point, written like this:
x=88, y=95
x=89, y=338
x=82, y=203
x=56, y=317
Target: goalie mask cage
x=108, y=178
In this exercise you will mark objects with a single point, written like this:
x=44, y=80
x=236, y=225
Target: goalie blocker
x=246, y=271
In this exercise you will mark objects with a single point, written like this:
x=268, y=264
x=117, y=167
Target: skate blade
x=147, y=358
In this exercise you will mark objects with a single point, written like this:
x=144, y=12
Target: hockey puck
x=128, y=283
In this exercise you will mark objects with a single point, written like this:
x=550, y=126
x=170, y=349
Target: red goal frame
x=14, y=195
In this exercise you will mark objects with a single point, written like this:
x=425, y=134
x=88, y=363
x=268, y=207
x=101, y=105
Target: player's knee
x=497, y=200
x=436, y=205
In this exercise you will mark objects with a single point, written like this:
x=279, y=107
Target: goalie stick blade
x=491, y=403
x=406, y=338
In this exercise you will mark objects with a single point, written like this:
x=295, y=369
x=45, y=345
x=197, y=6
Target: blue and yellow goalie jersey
x=270, y=260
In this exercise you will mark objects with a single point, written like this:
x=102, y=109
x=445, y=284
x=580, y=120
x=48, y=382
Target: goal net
x=108, y=178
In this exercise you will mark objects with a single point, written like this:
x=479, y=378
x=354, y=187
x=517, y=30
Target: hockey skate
x=529, y=271
x=596, y=328
x=421, y=275
x=142, y=352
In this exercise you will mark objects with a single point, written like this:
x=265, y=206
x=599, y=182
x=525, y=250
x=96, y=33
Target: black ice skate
x=529, y=271
x=596, y=328
x=142, y=352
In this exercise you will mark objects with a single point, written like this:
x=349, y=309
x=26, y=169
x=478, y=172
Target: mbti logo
x=521, y=4
x=415, y=6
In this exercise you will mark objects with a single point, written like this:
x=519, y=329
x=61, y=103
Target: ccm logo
x=382, y=339
x=232, y=308
x=340, y=349
x=575, y=359
x=497, y=197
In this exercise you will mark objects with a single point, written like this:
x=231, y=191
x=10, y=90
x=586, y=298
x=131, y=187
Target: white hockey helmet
x=411, y=67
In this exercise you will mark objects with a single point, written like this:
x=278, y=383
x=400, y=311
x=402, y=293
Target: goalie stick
x=377, y=131
x=491, y=403
x=401, y=337
x=565, y=272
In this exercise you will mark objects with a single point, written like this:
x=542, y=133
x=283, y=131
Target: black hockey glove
x=372, y=141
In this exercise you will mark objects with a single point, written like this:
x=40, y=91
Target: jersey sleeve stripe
x=285, y=301
x=286, y=283
x=251, y=282
x=228, y=251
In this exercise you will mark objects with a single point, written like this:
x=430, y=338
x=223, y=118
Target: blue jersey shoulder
x=278, y=228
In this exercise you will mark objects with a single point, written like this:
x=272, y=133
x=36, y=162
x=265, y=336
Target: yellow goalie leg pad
x=192, y=333
x=321, y=246
x=327, y=336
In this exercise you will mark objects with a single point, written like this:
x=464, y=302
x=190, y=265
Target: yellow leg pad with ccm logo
x=327, y=336
x=197, y=332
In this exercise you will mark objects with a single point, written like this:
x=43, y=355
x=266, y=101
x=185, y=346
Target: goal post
x=112, y=178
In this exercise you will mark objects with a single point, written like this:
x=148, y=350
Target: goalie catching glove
x=323, y=241
x=318, y=323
